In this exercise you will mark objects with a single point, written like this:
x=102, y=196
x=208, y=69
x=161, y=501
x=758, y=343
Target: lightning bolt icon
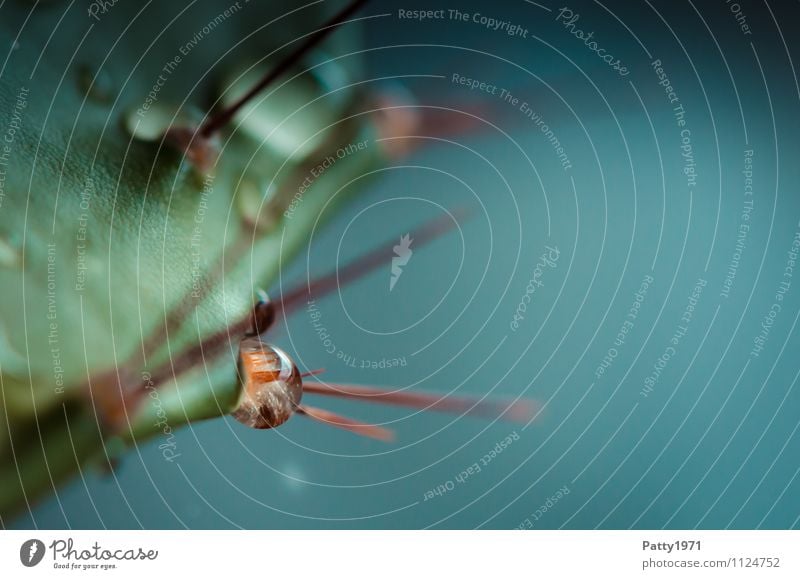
x=34, y=548
x=403, y=254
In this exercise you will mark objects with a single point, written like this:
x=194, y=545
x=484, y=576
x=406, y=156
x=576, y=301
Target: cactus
x=151, y=184
x=122, y=246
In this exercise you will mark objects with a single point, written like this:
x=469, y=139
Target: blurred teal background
x=714, y=444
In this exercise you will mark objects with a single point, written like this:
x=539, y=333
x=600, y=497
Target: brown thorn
x=364, y=264
x=223, y=117
x=176, y=317
x=207, y=349
x=339, y=421
x=260, y=319
x=515, y=411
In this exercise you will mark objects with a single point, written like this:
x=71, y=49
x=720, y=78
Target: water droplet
x=253, y=202
x=97, y=87
x=149, y=125
x=152, y=123
x=9, y=255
